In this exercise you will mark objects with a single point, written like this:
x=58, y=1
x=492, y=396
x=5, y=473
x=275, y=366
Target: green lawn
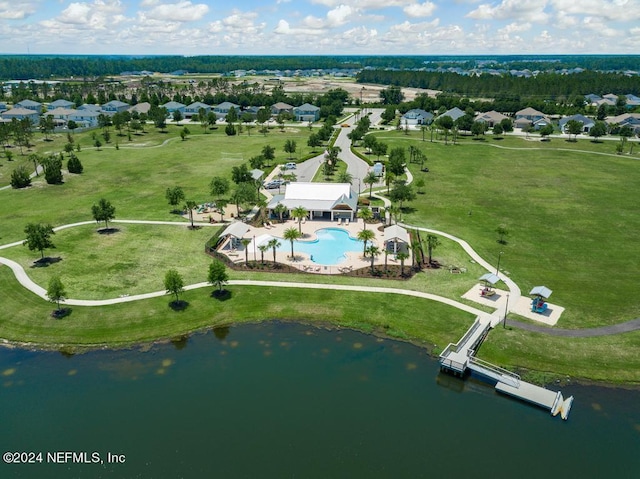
x=572, y=218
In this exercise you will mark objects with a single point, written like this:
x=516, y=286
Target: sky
x=320, y=27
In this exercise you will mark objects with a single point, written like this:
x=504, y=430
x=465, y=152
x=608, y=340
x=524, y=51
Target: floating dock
x=460, y=357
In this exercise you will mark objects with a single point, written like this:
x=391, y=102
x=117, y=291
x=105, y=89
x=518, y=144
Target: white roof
x=541, y=291
x=316, y=191
x=396, y=232
x=259, y=241
x=490, y=277
x=237, y=229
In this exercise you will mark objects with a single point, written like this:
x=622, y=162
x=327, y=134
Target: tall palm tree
x=370, y=180
x=263, y=248
x=402, y=256
x=189, y=206
x=432, y=243
x=291, y=234
x=299, y=212
x=395, y=212
x=344, y=177
x=274, y=244
x=366, y=214
x=366, y=236
x=245, y=242
x=373, y=251
x=280, y=210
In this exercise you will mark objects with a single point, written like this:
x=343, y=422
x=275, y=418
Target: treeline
x=544, y=86
x=22, y=67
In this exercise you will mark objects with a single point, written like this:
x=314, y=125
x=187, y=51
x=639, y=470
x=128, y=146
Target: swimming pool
x=328, y=249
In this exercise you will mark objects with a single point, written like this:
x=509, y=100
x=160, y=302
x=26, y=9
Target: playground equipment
x=538, y=303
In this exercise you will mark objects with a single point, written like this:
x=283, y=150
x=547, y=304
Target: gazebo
x=397, y=237
x=490, y=280
x=234, y=232
x=538, y=303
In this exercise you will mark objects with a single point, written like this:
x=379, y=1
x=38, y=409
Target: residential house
x=143, y=107
x=20, y=113
x=417, y=117
x=223, y=108
x=490, y=118
x=194, y=109
x=30, y=105
x=587, y=123
x=306, y=112
x=87, y=118
x=281, y=107
x=592, y=99
x=631, y=120
x=60, y=103
x=632, y=101
x=3, y=106
x=173, y=106
x=114, y=106
x=321, y=200
x=530, y=117
x=60, y=115
x=89, y=106
x=454, y=113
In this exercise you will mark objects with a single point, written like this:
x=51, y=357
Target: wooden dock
x=459, y=358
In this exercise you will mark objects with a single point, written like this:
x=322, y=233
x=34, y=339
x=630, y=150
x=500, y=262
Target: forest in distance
x=23, y=67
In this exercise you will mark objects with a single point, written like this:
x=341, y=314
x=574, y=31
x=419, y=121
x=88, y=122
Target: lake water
x=279, y=400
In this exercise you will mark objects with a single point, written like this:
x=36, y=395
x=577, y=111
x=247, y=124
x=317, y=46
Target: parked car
x=273, y=184
x=290, y=166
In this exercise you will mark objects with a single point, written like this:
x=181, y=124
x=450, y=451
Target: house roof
x=60, y=103
x=541, y=291
x=197, y=105
x=173, y=105
x=490, y=278
x=529, y=112
x=306, y=107
x=237, y=229
x=115, y=104
x=581, y=118
x=89, y=106
x=395, y=232
x=60, y=111
x=227, y=105
x=417, y=113
x=256, y=174
x=317, y=196
x=494, y=116
x=143, y=107
x=26, y=103
x=19, y=112
x=454, y=113
x=282, y=106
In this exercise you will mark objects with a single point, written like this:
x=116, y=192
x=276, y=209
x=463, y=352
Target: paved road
x=633, y=325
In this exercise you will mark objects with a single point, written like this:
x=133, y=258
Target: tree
x=230, y=130
x=52, y=170
x=401, y=192
x=46, y=126
x=314, y=141
x=369, y=142
x=256, y=162
x=184, y=133
x=365, y=235
x=274, y=244
x=370, y=180
x=497, y=129
x=174, y=195
x=379, y=149
x=20, y=177
x=432, y=243
x=218, y=274
x=243, y=193
x=402, y=256
x=507, y=125
x=38, y=237
x=391, y=95
x=280, y=210
x=502, y=234
x=240, y=174
x=103, y=211
x=478, y=128
x=547, y=130
x=602, y=112
x=97, y=143
x=344, y=177
x=232, y=115
x=420, y=184
x=597, y=130
x=291, y=234
x=173, y=283
x=263, y=115
x=268, y=153
x=245, y=243
x=74, y=165
x=446, y=123
x=290, y=147
x=219, y=187
x=389, y=114
x=55, y=291
x=190, y=206
x=397, y=161
x=366, y=214
x=574, y=127
x=263, y=248
x=299, y=212
x=177, y=117
x=373, y=251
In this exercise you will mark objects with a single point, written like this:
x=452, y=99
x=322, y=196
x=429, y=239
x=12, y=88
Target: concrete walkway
x=626, y=327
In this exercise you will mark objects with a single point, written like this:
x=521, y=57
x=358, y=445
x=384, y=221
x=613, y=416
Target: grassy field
x=572, y=218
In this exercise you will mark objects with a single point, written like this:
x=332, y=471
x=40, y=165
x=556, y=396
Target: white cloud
x=238, y=23
x=284, y=28
x=515, y=28
x=425, y=9
x=183, y=11
x=620, y=10
x=365, y=4
x=16, y=10
x=79, y=16
x=517, y=10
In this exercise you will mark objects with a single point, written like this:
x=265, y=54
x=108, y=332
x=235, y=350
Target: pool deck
x=302, y=261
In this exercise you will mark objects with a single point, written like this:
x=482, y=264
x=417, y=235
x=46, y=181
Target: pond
x=276, y=400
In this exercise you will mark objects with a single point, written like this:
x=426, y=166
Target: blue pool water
x=328, y=249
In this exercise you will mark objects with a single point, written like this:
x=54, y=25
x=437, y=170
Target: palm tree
x=280, y=210
x=245, y=242
x=291, y=234
x=415, y=247
x=299, y=212
x=432, y=243
x=395, y=212
x=274, y=244
x=402, y=256
x=366, y=235
x=373, y=251
x=263, y=248
x=344, y=177
x=370, y=180
x=189, y=206
x=386, y=256
x=366, y=214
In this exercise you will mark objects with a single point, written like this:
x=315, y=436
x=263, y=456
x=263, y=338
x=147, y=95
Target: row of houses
x=523, y=119
x=86, y=116
x=610, y=99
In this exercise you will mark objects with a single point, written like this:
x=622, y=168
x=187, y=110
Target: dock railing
x=507, y=377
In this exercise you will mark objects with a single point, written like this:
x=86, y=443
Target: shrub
x=74, y=165
x=20, y=177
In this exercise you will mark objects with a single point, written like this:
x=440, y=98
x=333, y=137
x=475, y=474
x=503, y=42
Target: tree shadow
x=502, y=241
x=61, y=313
x=46, y=261
x=221, y=332
x=108, y=231
x=179, y=305
x=180, y=342
x=498, y=138
x=194, y=227
x=223, y=295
